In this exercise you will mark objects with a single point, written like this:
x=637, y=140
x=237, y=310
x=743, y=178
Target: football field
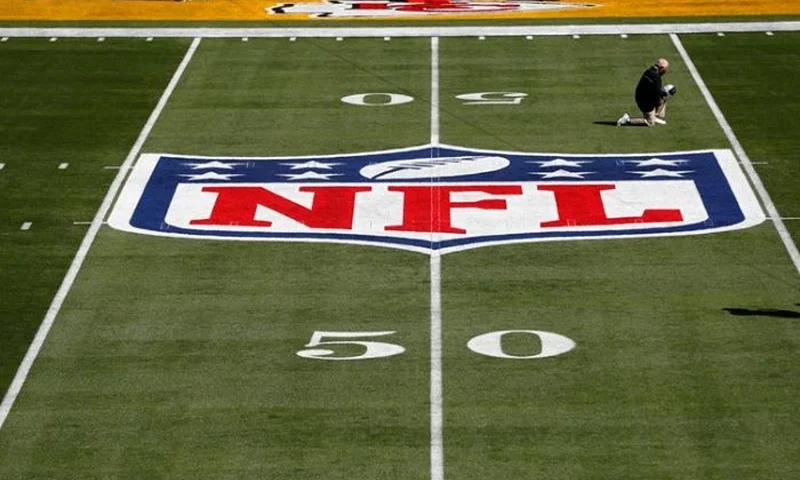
x=399, y=257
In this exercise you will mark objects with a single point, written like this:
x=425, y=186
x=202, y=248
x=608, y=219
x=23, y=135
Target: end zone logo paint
x=442, y=198
x=397, y=8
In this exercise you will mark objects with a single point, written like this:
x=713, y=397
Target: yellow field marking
x=210, y=10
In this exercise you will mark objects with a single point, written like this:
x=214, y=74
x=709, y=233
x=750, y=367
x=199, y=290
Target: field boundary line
x=440, y=31
x=77, y=262
x=772, y=211
x=436, y=398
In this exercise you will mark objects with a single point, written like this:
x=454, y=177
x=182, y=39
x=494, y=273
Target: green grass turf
x=752, y=78
x=664, y=383
x=176, y=358
x=276, y=97
x=182, y=364
x=72, y=101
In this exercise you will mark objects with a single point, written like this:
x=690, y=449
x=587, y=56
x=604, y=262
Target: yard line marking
x=435, y=91
x=61, y=295
x=437, y=417
x=439, y=31
x=63, y=166
x=772, y=212
x=26, y=226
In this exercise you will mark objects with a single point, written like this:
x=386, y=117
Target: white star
x=660, y=172
x=560, y=162
x=561, y=174
x=211, y=176
x=657, y=162
x=214, y=164
x=312, y=165
x=309, y=176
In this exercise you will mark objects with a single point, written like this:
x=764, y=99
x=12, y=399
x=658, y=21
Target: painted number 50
x=488, y=344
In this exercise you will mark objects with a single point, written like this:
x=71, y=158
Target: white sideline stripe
x=41, y=335
x=437, y=417
x=772, y=212
x=440, y=31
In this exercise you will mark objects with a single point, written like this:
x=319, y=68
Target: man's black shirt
x=648, y=91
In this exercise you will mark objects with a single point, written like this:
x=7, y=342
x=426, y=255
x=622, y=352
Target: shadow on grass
x=607, y=123
x=763, y=312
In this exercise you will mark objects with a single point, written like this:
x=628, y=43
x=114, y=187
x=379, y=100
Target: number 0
x=377, y=99
x=491, y=344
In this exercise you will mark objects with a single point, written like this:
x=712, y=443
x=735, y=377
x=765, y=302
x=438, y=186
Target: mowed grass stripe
x=177, y=358
x=664, y=381
x=72, y=101
x=761, y=103
x=747, y=164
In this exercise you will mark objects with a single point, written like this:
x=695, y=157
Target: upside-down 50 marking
x=480, y=197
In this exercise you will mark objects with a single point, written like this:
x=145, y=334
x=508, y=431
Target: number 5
x=374, y=349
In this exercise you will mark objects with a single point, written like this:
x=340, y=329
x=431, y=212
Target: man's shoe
x=624, y=120
x=660, y=121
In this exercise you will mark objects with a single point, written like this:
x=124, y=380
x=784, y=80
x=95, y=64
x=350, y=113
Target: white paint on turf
x=437, y=31
x=437, y=415
x=772, y=211
x=61, y=295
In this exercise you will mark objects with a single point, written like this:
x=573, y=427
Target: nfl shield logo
x=436, y=198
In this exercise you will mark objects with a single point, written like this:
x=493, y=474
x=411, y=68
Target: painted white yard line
x=434, y=91
x=437, y=31
x=41, y=335
x=437, y=407
x=772, y=212
x=437, y=416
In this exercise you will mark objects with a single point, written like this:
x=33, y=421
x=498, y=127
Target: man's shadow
x=606, y=123
x=763, y=312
